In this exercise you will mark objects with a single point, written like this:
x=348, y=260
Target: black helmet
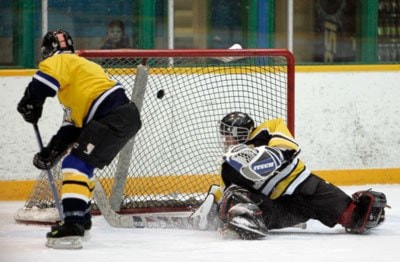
x=237, y=125
x=54, y=41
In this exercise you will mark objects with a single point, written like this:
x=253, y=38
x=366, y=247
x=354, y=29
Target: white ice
x=19, y=242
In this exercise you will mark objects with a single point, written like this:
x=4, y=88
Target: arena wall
x=347, y=123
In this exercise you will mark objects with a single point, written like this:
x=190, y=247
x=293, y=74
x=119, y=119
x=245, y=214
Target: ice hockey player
x=99, y=120
x=267, y=186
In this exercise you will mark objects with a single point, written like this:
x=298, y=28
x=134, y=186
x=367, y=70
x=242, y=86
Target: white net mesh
x=175, y=157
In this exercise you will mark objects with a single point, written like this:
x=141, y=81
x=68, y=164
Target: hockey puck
x=160, y=93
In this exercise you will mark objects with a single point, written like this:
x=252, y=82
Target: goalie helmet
x=54, y=41
x=236, y=127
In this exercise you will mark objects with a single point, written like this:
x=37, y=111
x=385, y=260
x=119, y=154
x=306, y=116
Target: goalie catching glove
x=256, y=163
x=50, y=155
x=365, y=212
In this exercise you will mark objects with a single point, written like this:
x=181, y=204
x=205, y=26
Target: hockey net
x=183, y=94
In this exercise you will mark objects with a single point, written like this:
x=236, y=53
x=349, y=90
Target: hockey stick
x=49, y=175
x=138, y=221
x=183, y=220
x=139, y=88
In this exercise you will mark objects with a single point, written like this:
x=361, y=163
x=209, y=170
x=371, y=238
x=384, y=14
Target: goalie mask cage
x=182, y=94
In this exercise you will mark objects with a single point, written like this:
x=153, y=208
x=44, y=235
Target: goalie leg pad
x=206, y=216
x=367, y=211
x=245, y=222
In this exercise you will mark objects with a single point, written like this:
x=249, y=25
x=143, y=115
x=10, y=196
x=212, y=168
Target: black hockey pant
x=313, y=199
x=102, y=139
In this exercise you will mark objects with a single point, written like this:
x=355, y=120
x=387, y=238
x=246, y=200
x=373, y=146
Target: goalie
x=269, y=187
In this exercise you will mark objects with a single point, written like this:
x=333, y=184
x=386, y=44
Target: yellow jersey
x=81, y=85
x=284, y=181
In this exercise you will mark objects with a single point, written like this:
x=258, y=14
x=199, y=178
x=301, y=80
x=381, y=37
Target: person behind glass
x=99, y=119
x=116, y=37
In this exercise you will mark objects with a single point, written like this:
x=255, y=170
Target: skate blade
x=72, y=242
x=87, y=236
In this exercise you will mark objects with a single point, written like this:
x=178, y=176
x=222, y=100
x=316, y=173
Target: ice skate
x=66, y=236
x=87, y=226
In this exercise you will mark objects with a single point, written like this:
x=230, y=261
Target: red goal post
x=182, y=94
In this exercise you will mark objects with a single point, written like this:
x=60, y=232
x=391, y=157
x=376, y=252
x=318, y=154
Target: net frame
x=204, y=63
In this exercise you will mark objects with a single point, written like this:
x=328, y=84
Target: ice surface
x=20, y=242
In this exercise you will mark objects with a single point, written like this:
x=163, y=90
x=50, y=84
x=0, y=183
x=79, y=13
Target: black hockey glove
x=50, y=155
x=31, y=111
x=289, y=155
